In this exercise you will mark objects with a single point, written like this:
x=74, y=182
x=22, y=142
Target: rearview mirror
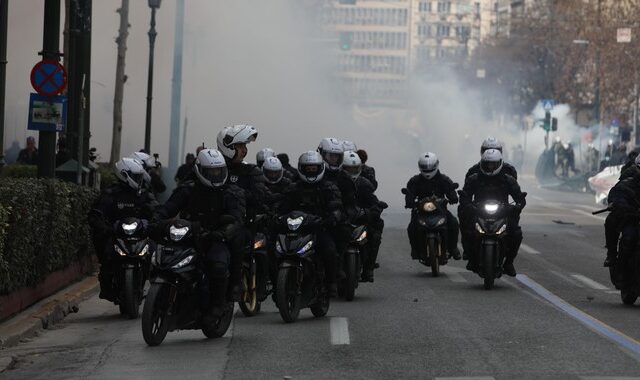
x=404, y=191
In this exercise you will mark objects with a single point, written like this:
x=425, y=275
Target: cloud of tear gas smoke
x=260, y=62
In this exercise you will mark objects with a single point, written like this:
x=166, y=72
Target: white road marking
x=589, y=214
x=339, y=327
x=529, y=250
x=453, y=273
x=537, y=198
x=631, y=345
x=589, y=282
x=567, y=278
x=608, y=378
x=613, y=291
x=467, y=378
x=229, y=332
x=589, y=208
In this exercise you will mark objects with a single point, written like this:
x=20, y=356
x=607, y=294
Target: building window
x=477, y=8
x=444, y=7
x=443, y=30
x=424, y=6
x=424, y=30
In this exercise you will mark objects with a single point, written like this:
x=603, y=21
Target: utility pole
x=4, y=10
x=123, y=33
x=154, y=5
x=50, y=50
x=176, y=94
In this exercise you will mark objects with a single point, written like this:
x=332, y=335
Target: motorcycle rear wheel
x=249, y=303
x=288, y=298
x=432, y=254
x=155, y=323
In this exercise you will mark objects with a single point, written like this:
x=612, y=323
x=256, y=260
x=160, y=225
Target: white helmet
x=637, y=160
x=263, y=154
x=211, y=168
x=352, y=164
x=332, y=152
x=230, y=136
x=491, y=162
x=311, y=167
x=349, y=146
x=132, y=173
x=272, y=170
x=144, y=159
x=428, y=165
x=491, y=143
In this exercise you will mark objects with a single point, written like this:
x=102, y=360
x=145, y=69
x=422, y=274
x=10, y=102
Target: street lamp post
x=4, y=7
x=154, y=5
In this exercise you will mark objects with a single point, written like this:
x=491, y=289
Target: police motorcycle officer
x=232, y=143
x=152, y=166
x=314, y=194
x=430, y=181
x=128, y=197
x=217, y=208
x=263, y=154
x=494, y=183
x=358, y=198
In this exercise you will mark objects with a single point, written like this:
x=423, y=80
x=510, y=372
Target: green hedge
x=43, y=228
x=19, y=171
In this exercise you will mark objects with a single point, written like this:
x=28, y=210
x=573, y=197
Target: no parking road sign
x=48, y=78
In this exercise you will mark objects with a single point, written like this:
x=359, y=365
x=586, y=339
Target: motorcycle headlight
x=144, y=251
x=502, y=229
x=491, y=208
x=362, y=236
x=177, y=233
x=129, y=229
x=479, y=229
x=183, y=262
x=429, y=206
x=279, y=247
x=306, y=247
x=119, y=250
x=294, y=223
x=441, y=222
x=259, y=244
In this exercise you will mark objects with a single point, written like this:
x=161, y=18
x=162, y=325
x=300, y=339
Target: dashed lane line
x=454, y=273
x=567, y=278
x=528, y=249
x=589, y=282
x=339, y=327
x=581, y=212
x=467, y=378
x=626, y=342
x=608, y=378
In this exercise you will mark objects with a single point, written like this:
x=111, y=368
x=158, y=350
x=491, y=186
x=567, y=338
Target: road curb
x=45, y=313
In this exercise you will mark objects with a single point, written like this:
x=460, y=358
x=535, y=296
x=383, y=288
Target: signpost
x=47, y=113
x=623, y=35
x=548, y=104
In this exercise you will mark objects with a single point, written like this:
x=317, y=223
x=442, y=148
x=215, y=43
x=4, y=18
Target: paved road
x=559, y=319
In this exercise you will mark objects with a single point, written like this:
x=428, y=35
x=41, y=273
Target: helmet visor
x=490, y=166
x=216, y=176
x=428, y=169
x=333, y=159
x=311, y=170
x=272, y=176
x=352, y=170
x=136, y=177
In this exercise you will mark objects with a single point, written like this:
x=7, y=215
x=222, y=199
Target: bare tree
x=121, y=41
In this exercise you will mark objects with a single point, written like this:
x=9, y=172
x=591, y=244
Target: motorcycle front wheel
x=220, y=327
x=132, y=294
x=288, y=297
x=351, y=281
x=488, y=262
x=155, y=319
x=249, y=303
x=432, y=254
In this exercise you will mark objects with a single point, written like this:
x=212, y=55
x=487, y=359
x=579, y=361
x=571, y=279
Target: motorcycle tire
x=131, y=300
x=351, y=281
x=288, y=297
x=249, y=303
x=434, y=260
x=321, y=308
x=155, y=323
x=628, y=297
x=488, y=262
x=221, y=326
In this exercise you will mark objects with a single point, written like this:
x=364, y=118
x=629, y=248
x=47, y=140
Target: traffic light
x=554, y=124
x=345, y=40
x=547, y=121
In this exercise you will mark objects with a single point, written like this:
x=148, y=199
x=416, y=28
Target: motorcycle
x=352, y=261
x=300, y=280
x=255, y=275
x=625, y=274
x=131, y=246
x=179, y=289
x=431, y=215
x=491, y=228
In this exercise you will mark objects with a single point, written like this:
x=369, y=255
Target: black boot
x=455, y=253
x=106, y=286
x=610, y=260
x=218, y=291
x=508, y=268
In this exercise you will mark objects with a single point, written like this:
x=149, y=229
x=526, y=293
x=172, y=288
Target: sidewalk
x=46, y=313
